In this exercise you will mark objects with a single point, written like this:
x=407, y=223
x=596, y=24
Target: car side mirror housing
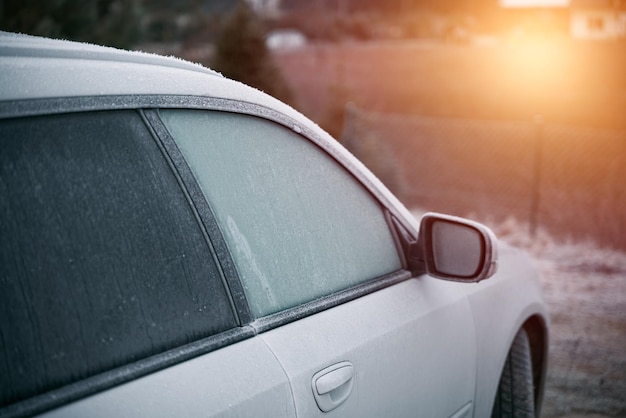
x=456, y=249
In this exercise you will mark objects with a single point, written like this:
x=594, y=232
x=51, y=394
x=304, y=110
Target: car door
x=410, y=347
x=325, y=281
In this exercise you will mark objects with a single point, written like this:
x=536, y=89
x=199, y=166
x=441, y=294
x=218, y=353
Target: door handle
x=332, y=386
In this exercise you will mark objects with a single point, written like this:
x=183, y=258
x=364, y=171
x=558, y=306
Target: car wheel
x=515, y=396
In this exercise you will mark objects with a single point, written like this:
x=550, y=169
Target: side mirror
x=457, y=249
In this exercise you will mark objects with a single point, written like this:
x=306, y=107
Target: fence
x=568, y=180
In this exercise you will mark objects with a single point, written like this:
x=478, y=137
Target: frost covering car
x=175, y=243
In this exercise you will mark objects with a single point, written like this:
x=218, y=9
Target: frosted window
x=102, y=262
x=298, y=224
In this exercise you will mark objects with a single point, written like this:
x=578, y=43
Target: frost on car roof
x=33, y=67
x=20, y=45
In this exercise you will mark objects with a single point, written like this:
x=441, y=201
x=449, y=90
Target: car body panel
x=411, y=345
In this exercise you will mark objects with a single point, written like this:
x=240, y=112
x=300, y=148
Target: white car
x=175, y=243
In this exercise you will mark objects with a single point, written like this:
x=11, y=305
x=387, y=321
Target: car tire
x=515, y=396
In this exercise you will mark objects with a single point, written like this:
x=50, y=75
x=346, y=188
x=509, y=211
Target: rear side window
x=102, y=261
x=298, y=224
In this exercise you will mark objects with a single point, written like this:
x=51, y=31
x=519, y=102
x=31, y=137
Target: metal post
x=535, y=196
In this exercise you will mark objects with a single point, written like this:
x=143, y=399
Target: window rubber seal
x=287, y=316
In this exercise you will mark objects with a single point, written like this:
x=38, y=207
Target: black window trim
x=281, y=318
x=207, y=218
x=131, y=371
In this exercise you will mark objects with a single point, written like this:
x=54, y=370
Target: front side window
x=102, y=261
x=298, y=224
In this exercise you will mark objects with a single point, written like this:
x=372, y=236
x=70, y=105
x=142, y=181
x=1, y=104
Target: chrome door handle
x=332, y=386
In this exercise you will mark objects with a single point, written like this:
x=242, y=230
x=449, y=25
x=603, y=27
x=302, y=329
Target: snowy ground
x=585, y=289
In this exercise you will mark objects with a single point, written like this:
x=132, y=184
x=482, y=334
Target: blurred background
x=511, y=112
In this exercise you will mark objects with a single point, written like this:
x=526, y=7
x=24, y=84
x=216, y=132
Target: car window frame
x=211, y=131
x=148, y=107
x=396, y=228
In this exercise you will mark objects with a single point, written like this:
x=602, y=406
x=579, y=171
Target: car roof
x=33, y=67
x=15, y=44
